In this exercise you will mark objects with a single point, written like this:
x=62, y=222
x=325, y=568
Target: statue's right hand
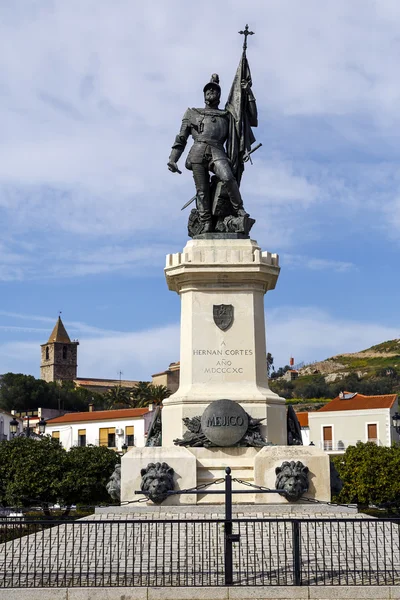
x=173, y=167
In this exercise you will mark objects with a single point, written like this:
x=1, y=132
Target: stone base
x=180, y=459
x=316, y=460
x=196, y=466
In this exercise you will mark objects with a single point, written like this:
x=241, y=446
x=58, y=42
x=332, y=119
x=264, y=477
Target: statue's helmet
x=213, y=83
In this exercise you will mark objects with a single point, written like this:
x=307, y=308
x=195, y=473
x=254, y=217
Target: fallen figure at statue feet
x=242, y=224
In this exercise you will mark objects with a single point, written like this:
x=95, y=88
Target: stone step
x=211, y=466
x=213, y=473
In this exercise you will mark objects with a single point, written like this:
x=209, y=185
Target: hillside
x=375, y=370
x=381, y=356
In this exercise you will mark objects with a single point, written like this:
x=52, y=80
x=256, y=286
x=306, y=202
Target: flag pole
x=245, y=32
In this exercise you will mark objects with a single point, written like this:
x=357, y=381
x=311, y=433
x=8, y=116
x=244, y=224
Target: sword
x=247, y=157
x=189, y=202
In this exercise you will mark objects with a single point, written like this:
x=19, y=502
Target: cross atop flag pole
x=241, y=106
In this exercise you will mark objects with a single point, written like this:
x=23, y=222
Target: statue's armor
x=209, y=129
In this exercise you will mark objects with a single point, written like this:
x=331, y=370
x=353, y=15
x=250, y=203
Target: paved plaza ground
x=185, y=547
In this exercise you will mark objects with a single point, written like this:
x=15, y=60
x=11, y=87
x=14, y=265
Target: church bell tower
x=59, y=360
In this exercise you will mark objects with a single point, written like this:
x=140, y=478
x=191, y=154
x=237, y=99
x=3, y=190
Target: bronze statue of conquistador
x=222, y=142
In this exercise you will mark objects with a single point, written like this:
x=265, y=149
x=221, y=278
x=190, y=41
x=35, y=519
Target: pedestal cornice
x=222, y=264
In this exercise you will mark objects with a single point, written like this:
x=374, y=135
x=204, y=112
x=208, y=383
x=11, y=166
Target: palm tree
x=159, y=393
x=146, y=393
x=117, y=396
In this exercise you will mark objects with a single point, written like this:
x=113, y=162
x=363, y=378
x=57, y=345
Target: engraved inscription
x=224, y=365
x=225, y=421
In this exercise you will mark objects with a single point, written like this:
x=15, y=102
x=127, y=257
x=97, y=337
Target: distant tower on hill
x=59, y=359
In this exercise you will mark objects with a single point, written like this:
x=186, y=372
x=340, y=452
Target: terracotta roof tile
x=125, y=383
x=360, y=402
x=99, y=415
x=303, y=418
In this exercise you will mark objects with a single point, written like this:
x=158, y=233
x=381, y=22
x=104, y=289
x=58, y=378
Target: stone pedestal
x=180, y=459
x=316, y=460
x=215, y=363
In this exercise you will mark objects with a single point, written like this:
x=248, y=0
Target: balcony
x=340, y=446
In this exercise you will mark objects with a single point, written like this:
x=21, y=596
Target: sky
x=92, y=94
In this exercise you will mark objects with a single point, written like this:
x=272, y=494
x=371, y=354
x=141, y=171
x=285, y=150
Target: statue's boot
x=203, y=206
x=232, y=188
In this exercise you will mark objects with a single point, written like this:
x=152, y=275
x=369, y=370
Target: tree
x=143, y=394
x=117, y=396
x=31, y=470
x=369, y=474
x=155, y=394
x=316, y=388
x=270, y=362
x=87, y=471
x=39, y=471
x=280, y=372
x=19, y=392
x=24, y=392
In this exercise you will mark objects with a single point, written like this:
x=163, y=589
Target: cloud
x=82, y=259
x=103, y=354
x=315, y=264
x=309, y=334
x=89, y=109
x=306, y=333
x=92, y=123
x=137, y=354
x=76, y=327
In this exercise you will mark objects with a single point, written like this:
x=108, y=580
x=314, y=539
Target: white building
x=350, y=418
x=110, y=428
x=31, y=417
x=5, y=419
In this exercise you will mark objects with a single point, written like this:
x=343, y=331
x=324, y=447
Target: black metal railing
x=168, y=552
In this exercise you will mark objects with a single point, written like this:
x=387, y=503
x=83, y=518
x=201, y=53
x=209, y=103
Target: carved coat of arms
x=223, y=315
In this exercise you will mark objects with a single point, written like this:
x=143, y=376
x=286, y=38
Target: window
x=107, y=437
x=81, y=437
x=372, y=432
x=55, y=435
x=47, y=353
x=129, y=435
x=327, y=437
x=64, y=352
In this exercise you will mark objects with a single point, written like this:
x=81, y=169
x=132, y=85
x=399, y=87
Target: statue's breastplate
x=211, y=127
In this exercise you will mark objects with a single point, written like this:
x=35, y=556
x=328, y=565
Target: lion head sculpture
x=157, y=480
x=113, y=486
x=292, y=477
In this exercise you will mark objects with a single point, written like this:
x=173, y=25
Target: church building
x=59, y=362
x=59, y=356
